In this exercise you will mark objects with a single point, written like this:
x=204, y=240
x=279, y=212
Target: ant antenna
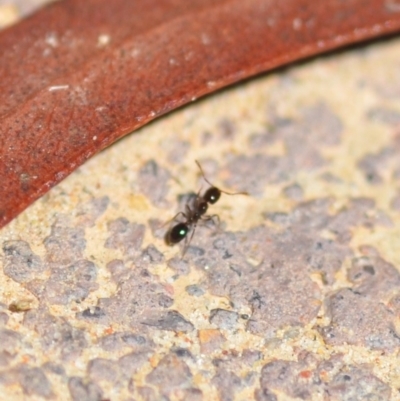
x=202, y=173
x=213, y=186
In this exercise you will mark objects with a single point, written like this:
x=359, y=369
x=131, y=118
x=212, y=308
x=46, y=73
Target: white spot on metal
x=135, y=52
x=58, y=88
x=205, y=39
x=393, y=6
x=297, y=24
x=271, y=22
x=103, y=40
x=52, y=39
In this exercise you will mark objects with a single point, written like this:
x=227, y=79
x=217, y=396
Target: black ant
x=194, y=213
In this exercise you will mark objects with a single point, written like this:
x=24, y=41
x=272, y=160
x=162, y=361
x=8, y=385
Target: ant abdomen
x=177, y=233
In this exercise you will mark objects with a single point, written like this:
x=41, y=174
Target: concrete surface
x=295, y=296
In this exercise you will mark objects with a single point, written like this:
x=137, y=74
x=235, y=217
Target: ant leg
x=211, y=218
x=188, y=211
x=169, y=221
x=188, y=241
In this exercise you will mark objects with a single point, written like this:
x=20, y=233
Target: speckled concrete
x=296, y=295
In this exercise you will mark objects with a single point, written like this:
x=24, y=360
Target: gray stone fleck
x=132, y=362
x=182, y=352
x=317, y=127
x=195, y=251
x=359, y=212
x=298, y=379
x=294, y=192
x=21, y=264
x=357, y=383
x=249, y=172
x=278, y=218
x=118, y=270
x=165, y=301
x=192, y=394
x=103, y=369
x=84, y=390
x=373, y=165
x=33, y=381
x=327, y=256
x=330, y=178
x=395, y=202
x=359, y=320
x=195, y=290
x=325, y=126
x=264, y=395
x=149, y=394
x=152, y=180
x=5, y=360
x=56, y=334
x=152, y=255
x=227, y=128
x=126, y=236
x=65, y=244
x=133, y=340
x=157, y=228
x=180, y=265
x=3, y=318
x=250, y=357
x=9, y=340
x=374, y=277
x=170, y=374
x=54, y=368
x=176, y=149
x=116, y=341
x=224, y=319
x=278, y=299
x=384, y=115
x=265, y=138
x=92, y=313
x=234, y=362
x=394, y=304
x=227, y=384
x=131, y=387
x=170, y=320
x=285, y=376
x=71, y=283
x=89, y=212
x=139, y=295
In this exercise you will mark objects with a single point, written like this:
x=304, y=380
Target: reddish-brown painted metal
x=80, y=74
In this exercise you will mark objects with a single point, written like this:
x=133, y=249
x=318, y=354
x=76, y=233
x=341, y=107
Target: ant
x=195, y=212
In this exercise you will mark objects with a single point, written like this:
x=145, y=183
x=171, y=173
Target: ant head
x=212, y=195
x=176, y=234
